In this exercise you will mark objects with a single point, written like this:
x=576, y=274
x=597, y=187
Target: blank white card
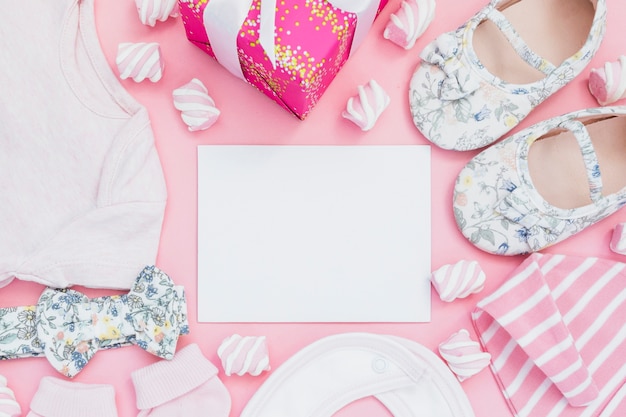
x=313, y=233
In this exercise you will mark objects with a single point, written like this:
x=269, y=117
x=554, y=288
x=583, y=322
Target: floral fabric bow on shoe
x=69, y=328
x=545, y=183
x=477, y=83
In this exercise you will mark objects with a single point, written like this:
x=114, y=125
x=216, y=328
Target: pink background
x=248, y=117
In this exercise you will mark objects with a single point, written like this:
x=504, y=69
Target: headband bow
x=69, y=328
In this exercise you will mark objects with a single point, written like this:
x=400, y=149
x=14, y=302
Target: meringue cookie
x=608, y=84
x=152, y=10
x=197, y=108
x=241, y=355
x=8, y=404
x=618, y=240
x=458, y=280
x=364, y=109
x=140, y=61
x=409, y=22
x=463, y=355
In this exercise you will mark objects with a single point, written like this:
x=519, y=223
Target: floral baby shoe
x=458, y=104
x=497, y=205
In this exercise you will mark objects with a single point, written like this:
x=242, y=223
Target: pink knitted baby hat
x=186, y=386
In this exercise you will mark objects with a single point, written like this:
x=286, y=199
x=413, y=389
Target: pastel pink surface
x=249, y=117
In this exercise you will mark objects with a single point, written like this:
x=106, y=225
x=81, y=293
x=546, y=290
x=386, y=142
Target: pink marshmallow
x=458, y=280
x=197, y=108
x=365, y=108
x=151, y=11
x=618, y=241
x=244, y=355
x=8, y=405
x=140, y=61
x=464, y=355
x=409, y=22
x=608, y=83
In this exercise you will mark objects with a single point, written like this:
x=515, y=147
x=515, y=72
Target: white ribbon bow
x=223, y=20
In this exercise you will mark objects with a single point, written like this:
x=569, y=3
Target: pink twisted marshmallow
x=241, y=355
x=140, y=61
x=365, y=109
x=152, y=10
x=608, y=84
x=409, y=22
x=9, y=407
x=618, y=240
x=197, y=108
x=463, y=355
x=458, y=280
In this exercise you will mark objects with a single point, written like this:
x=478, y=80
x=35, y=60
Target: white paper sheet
x=313, y=233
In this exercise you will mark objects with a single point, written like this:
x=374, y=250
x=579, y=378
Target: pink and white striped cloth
x=556, y=331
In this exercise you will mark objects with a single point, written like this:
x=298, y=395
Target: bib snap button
x=379, y=365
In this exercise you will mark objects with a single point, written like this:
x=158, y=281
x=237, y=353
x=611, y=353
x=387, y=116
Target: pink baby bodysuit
x=82, y=193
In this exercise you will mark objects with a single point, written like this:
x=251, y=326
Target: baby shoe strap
x=590, y=158
x=520, y=46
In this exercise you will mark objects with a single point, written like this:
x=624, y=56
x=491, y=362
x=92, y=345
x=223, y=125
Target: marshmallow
x=197, y=108
x=241, y=355
x=9, y=407
x=463, y=355
x=364, y=109
x=152, y=10
x=458, y=280
x=618, y=241
x=409, y=22
x=140, y=61
x=608, y=84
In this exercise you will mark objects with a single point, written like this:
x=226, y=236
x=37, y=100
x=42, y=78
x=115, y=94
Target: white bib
x=407, y=378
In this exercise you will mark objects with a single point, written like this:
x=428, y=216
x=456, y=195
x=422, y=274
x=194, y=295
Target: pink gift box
x=312, y=41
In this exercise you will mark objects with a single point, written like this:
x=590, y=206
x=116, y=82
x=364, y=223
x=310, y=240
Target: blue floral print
x=497, y=207
x=69, y=328
x=457, y=104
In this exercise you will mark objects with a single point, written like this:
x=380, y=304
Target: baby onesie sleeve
x=109, y=245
